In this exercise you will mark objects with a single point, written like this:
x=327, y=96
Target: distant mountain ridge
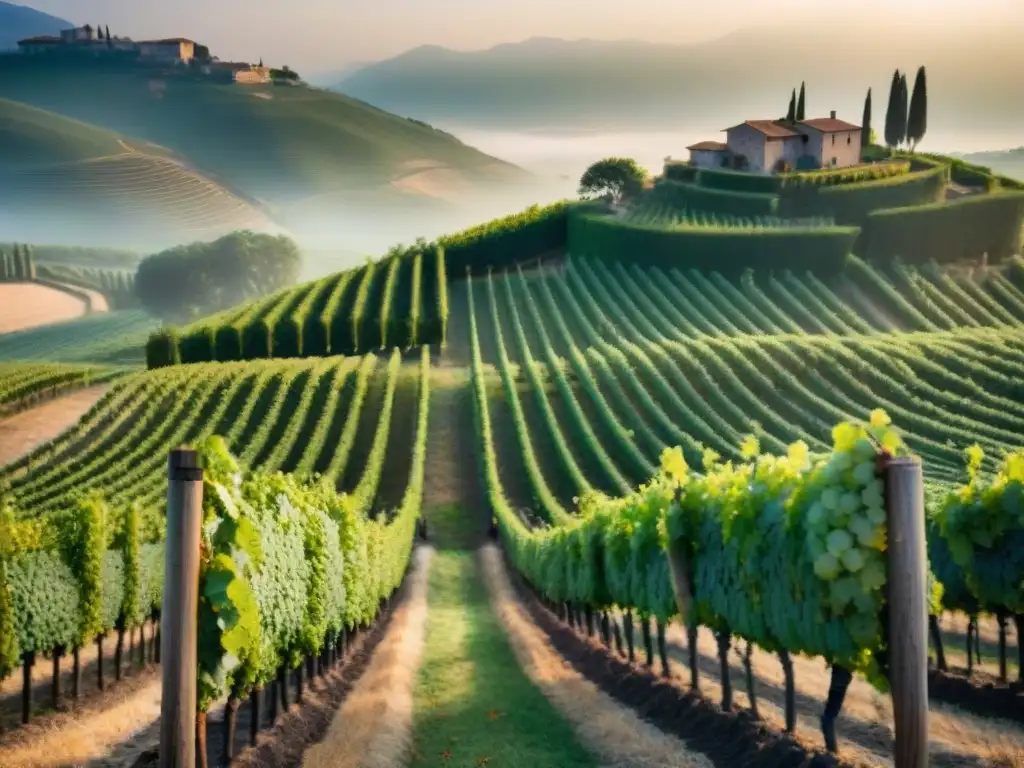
x=745, y=74
x=19, y=21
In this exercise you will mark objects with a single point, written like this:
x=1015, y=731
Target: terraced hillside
x=667, y=412
x=103, y=182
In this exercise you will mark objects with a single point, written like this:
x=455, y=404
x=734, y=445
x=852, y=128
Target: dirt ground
x=23, y=432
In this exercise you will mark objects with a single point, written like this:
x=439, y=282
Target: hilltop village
x=175, y=52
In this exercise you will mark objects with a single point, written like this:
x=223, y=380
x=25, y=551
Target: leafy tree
x=186, y=281
x=892, y=137
x=791, y=113
x=917, y=119
x=865, y=122
x=801, y=105
x=618, y=177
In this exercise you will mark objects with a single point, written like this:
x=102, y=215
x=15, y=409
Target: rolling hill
x=1009, y=162
x=20, y=21
x=101, y=182
x=337, y=172
x=282, y=144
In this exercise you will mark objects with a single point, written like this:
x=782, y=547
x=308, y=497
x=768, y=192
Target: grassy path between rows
x=473, y=705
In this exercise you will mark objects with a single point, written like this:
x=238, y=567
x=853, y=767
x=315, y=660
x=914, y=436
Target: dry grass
x=27, y=305
x=373, y=728
x=80, y=737
x=865, y=728
x=618, y=736
x=23, y=432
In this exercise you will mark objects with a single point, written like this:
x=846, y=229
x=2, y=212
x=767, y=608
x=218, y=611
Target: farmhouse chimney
x=833, y=114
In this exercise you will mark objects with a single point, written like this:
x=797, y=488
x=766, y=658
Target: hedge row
x=852, y=175
x=724, y=250
x=949, y=231
x=675, y=194
x=503, y=242
x=676, y=170
x=348, y=313
x=739, y=181
x=850, y=204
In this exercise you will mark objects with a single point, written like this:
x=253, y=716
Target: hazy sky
x=319, y=35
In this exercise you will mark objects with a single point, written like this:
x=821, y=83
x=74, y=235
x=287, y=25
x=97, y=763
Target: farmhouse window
x=833, y=139
x=849, y=139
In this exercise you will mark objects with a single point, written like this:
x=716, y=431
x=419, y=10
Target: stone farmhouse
x=766, y=146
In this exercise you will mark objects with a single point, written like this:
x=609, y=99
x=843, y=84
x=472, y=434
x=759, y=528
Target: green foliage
x=866, y=131
x=619, y=178
x=948, y=231
x=917, y=118
x=727, y=250
x=982, y=523
x=162, y=349
x=200, y=278
x=801, y=103
x=830, y=177
x=83, y=547
x=691, y=196
x=850, y=204
x=509, y=240
x=134, y=606
x=677, y=170
x=739, y=181
x=442, y=293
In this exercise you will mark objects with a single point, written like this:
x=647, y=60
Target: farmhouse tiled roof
x=773, y=129
x=829, y=125
x=232, y=65
x=710, y=146
x=39, y=39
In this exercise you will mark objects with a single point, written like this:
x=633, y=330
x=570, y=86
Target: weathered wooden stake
x=180, y=612
x=299, y=674
x=618, y=637
x=273, y=698
x=908, y=610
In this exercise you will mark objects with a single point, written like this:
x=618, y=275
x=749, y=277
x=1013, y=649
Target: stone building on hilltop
x=765, y=146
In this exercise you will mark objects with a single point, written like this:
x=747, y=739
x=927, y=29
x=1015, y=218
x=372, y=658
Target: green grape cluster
x=982, y=526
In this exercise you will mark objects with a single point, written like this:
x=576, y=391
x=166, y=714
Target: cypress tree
x=901, y=126
x=4, y=268
x=865, y=122
x=891, y=139
x=19, y=273
x=800, y=105
x=30, y=263
x=917, y=119
x=791, y=114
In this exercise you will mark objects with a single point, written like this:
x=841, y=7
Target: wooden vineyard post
x=180, y=611
x=908, y=610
